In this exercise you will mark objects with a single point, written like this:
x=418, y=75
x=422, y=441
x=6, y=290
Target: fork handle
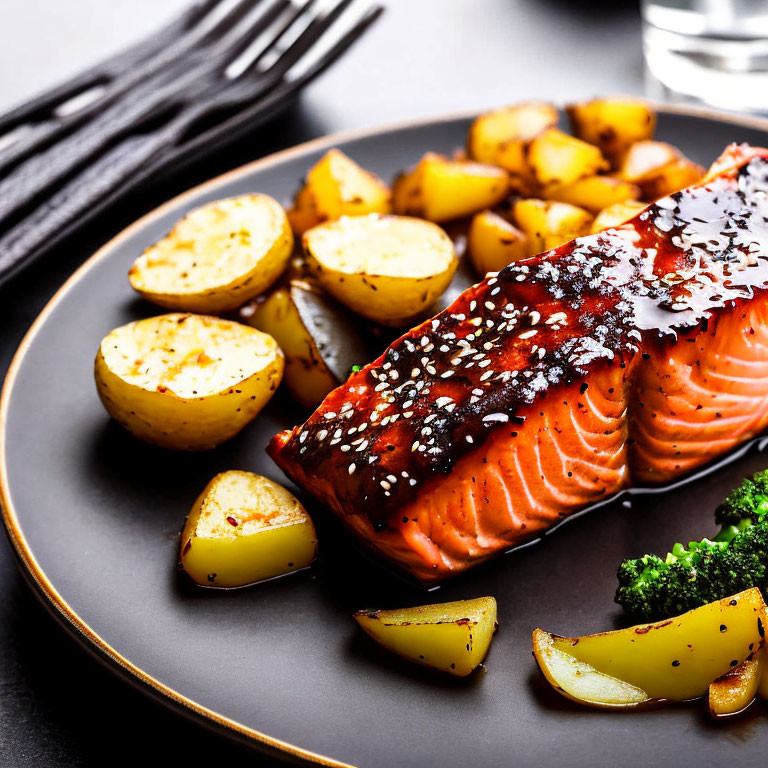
x=81, y=198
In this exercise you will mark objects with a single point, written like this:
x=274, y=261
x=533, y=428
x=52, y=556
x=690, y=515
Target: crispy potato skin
x=217, y=257
x=245, y=528
x=150, y=408
x=734, y=691
x=337, y=186
x=613, y=125
x=493, y=242
x=306, y=375
x=673, y=660
x=387, y=268
x=441, y=189
x=658, y=169
x=452, y=637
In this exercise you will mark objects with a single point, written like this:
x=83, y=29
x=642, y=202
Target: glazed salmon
x=624, y=358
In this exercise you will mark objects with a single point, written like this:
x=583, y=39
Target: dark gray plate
x=94, y=516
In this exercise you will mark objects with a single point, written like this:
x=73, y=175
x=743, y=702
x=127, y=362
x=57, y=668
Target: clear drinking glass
x=712, y=51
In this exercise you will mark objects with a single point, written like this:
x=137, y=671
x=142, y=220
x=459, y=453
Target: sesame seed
x=322, y=434
x=415, y=372
x=329, y=415
x=431, y=370
x=476, y=321
x=446, y=374
x=391, y=478
x=414, y=446
x=351, y=468
x=302, y=437
x=472, y=305
x=528, y=334
x=535, y=317
x=469, y=439
x=345, y=448
x=490, y=305
x=487, y=375
x=385, y=485
x=483, y=363
x=411, y=482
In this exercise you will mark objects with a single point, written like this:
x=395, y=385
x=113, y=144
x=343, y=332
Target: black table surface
x=58, y=706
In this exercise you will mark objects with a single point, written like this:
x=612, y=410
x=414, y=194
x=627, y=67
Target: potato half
x=452, y=637
x=318, y=336
x=594, y=193
x=517, y=124
x=245, y=528
x=493, y=242
x=675, y=659
x=217, y=257
x=612, y=124
x=658, y=169
x=440, y=188
x=386, y=268
x=186, y=382
x=615, y=215
x=337, y=186
x=548, y=224
x=558, y=158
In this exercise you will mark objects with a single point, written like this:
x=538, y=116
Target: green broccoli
x=653, y=588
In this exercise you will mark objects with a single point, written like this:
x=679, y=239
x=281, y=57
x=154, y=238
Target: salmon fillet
x=624, y=358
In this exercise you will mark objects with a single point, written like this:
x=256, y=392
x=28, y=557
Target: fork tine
x=240, y=37
x=297, y=13
x=307, y=38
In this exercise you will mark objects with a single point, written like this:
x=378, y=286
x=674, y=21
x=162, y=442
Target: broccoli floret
x=653, y=588
x=745, y=502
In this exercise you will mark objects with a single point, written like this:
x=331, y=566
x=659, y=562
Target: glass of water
x=711, y=51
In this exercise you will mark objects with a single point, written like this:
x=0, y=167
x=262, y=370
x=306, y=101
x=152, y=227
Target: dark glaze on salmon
x=556, y=382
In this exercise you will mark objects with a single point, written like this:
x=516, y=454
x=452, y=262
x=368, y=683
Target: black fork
x=137, y=157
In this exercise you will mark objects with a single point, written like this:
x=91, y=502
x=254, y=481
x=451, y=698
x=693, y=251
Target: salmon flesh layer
x=629, y=357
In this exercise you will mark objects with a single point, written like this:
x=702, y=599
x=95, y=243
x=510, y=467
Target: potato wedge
x=558, y=158
x=675, y=659
x=500, y=137
x=318, y=337
x=186, y=382
x=245, y=528
x=452, y=637
x=734, y=691
x=615, y=215
x=658, y=169
x=337, y=186
x=493, y=242
x=440, y=189
x=217, y=257
x=594, y=193
x=613, y=124
x=386, y=268
x=548, y=224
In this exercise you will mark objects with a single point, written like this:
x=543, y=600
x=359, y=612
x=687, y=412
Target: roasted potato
x=318, y=337
x=217, y=257
x=594, y=193
x=452, y=637
x=244, y=528
x=675, y=659
x=440, y=189
x=555, y=158
x=386, y=268
x=613, y=125
x=734, y=691
x=658, y=169
x=615, y=215
x=186, y=382
x=337, y=186
x=548, y=224
x=500, y=137
x=493, y=242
